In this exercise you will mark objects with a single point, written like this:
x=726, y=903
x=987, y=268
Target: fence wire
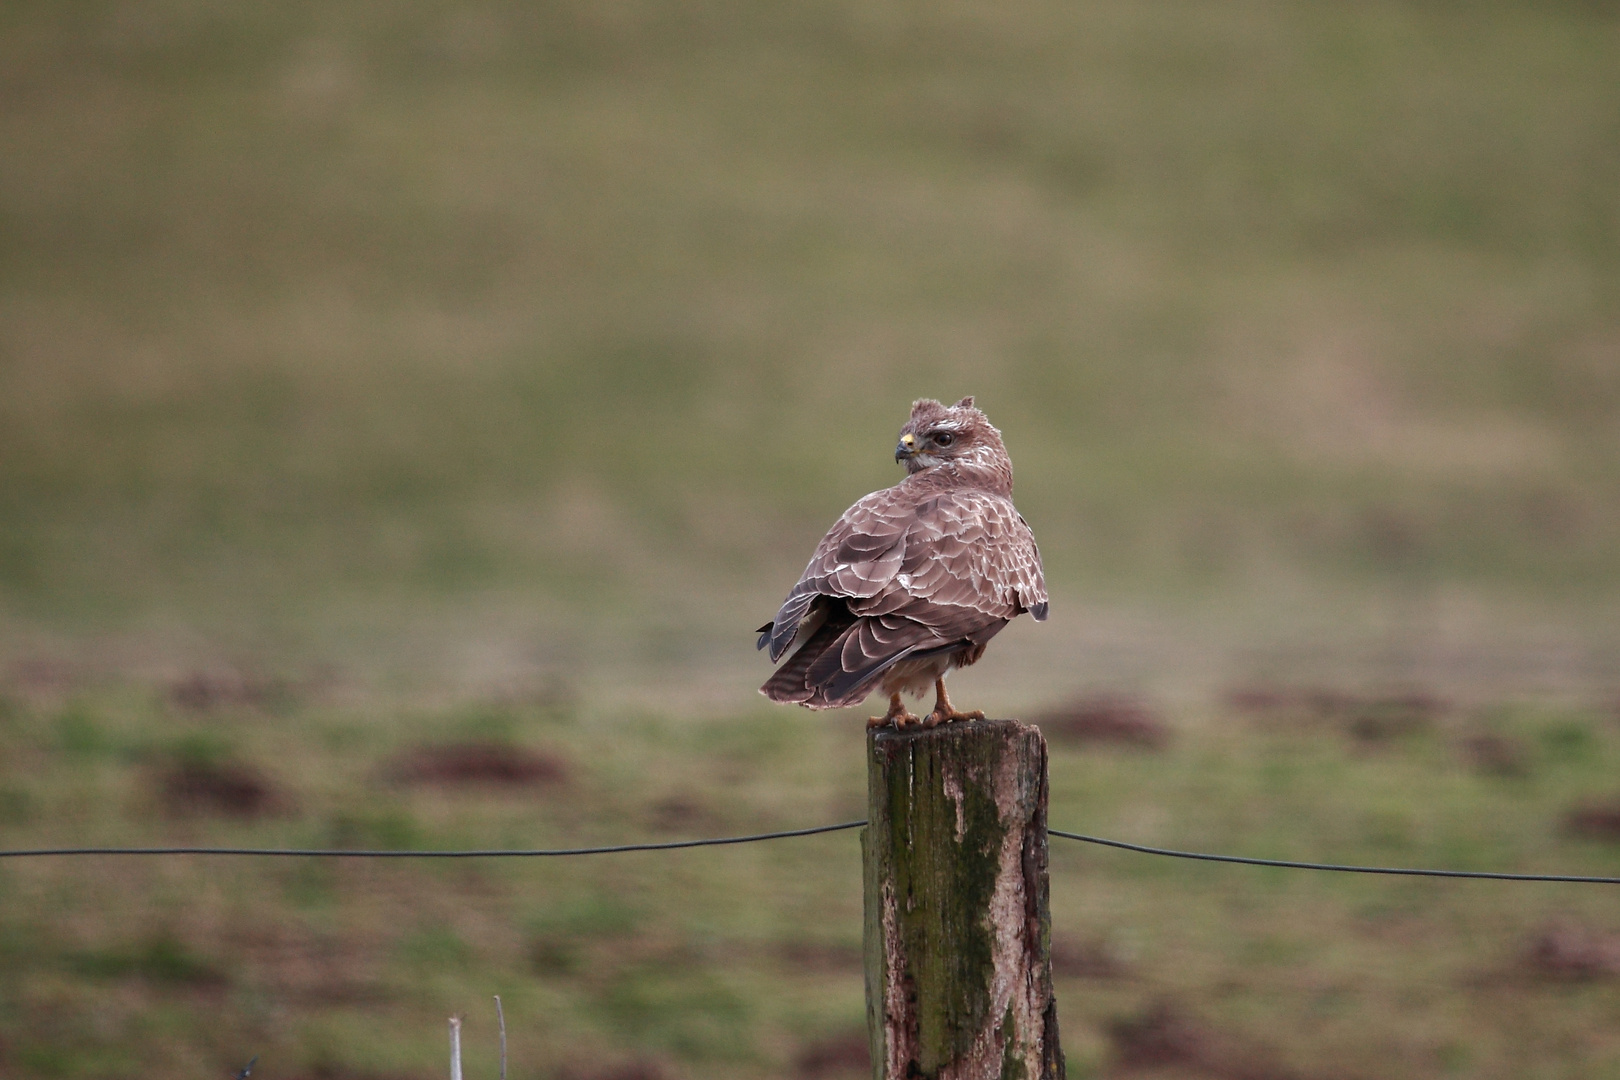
x=717, y=841
x=1342, y=868
x=412, y=853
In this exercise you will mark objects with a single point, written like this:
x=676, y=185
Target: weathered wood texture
x=958, y=932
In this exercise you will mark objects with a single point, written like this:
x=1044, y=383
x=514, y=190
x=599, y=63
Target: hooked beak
x=907, y=447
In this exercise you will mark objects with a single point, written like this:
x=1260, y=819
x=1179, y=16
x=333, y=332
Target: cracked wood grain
x=958, y=931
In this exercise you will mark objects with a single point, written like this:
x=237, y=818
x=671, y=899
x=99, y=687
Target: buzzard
x=913, y=580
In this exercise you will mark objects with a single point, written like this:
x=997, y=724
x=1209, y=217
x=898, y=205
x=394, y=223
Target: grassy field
x=745, y=961
x=379, y=377
x=445, y=298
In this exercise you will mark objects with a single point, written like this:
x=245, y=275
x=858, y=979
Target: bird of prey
x=913, y=580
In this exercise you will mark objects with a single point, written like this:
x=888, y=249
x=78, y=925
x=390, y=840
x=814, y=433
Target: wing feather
x=917, y=570
x=790, y=683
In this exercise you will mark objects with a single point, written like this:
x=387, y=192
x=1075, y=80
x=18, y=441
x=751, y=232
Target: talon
x=896, y=716
x=943, y=712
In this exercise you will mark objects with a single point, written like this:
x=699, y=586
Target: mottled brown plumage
x=913, y=580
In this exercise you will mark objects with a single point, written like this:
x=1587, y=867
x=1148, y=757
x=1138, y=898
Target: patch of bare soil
x=1088, y=960
x=813, y=956
x=1594, y=821
x=349, y=1072
x=224, y=789
x=42, y=676
x=1165, y=1037
x=214, y=691
x=1370, y=719
x=478, y=764
x=1381, y=719
x=683, y=813
x=637, y=1069
x=1490, y=754
x=848, y=1054
x=1565, y=952
x=298, y=966
x=1105, y=718
x=1161, y=1036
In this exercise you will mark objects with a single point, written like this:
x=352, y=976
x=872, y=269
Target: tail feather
x=790, y=683
x=846, y=657
x=846, y=670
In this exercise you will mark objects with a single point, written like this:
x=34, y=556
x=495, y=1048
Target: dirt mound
x=1369, y=718
x=817, y=956
x=638, y=1069
x=1164, y=1037
x=1569, y=953
x=1105, y=718
x=1497, y=755
x=1088, y=960
x=478, y=764
x=1595, y=820
x=225, y=789
x=349, y=1072
x=213, y=691
x=842, y=1055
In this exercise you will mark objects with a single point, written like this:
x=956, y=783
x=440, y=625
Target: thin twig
x=500, y=1015
x=455, y=1048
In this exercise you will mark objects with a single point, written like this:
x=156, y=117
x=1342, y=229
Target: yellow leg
x=943, y=712
x=897, y=716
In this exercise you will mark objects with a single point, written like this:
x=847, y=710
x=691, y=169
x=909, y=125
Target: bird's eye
x=943, y=438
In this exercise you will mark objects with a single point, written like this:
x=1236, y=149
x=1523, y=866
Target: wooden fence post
x=958, y=932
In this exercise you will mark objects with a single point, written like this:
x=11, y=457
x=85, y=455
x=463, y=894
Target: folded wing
x=904, y=573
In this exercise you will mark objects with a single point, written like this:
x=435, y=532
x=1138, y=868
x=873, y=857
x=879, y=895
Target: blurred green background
x=382, y=377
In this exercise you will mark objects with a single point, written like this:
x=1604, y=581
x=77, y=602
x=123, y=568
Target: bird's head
x=936, y=434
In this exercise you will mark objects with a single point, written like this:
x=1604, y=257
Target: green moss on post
x=958, y=933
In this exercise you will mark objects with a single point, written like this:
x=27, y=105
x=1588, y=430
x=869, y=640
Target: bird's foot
x=944, y=712
x=942, y=716
x=897, y=716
